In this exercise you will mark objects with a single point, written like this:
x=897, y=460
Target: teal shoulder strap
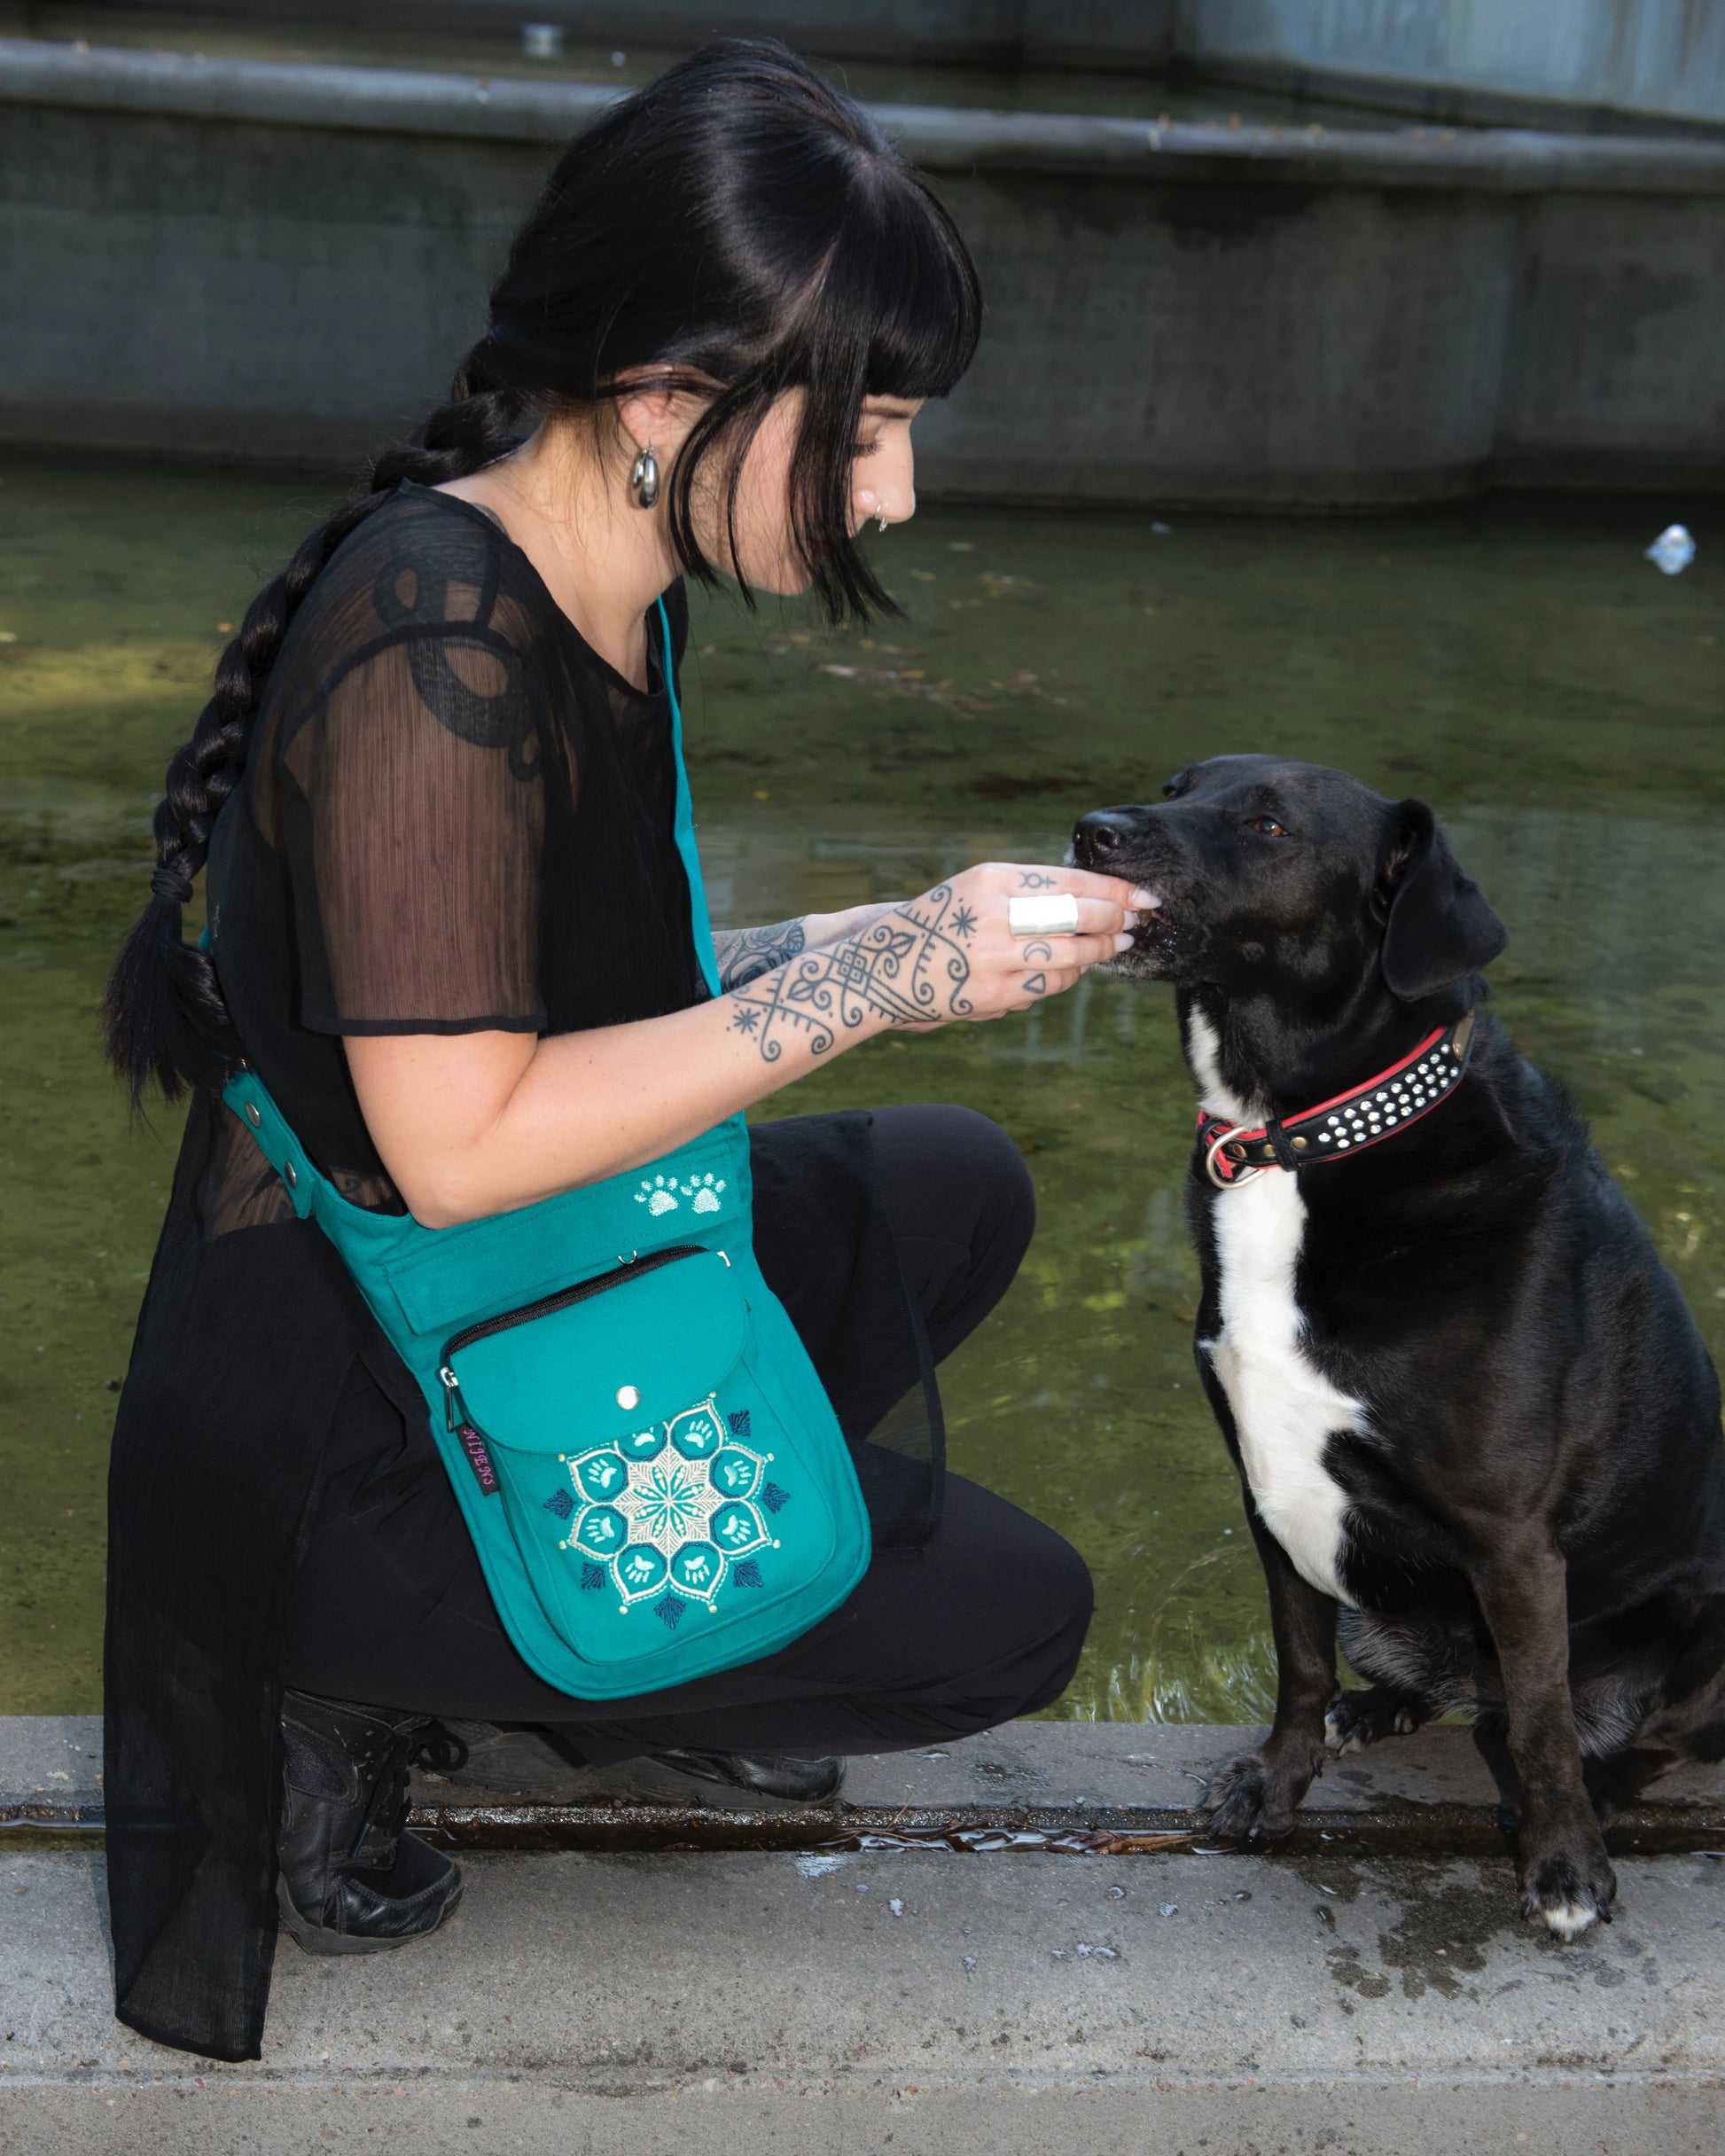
x=698, y=918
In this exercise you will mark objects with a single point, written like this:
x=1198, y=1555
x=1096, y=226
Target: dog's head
x=1276, y=878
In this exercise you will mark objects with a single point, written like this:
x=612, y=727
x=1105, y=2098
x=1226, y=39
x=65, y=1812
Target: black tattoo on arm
x=745, y=953
x=908, y=967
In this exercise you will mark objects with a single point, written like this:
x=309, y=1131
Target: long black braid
x=166, y=1020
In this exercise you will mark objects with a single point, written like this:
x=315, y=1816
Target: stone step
x=916, y=2001
x=1433, y=1789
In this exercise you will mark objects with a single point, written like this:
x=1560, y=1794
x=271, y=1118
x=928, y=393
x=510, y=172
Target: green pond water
x=1518, y=664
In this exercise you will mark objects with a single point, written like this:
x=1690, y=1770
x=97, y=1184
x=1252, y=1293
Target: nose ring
x=880, y=519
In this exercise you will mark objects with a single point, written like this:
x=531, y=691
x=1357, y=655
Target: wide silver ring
x=1042, y=917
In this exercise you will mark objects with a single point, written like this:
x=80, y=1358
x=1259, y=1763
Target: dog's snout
x=1101, y=834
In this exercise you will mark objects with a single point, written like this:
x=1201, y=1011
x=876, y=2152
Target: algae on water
x=1516, y=664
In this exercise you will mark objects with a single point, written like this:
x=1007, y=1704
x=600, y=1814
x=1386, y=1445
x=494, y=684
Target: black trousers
x=983, y=1622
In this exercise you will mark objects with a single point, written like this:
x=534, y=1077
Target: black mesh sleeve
x=412, y=809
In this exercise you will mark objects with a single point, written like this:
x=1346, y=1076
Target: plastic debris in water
x=896, y=1906
x=970, y=1961
x=1170, y=1909
x=992, y=1840
x=1672, y=551
x=817, y=1867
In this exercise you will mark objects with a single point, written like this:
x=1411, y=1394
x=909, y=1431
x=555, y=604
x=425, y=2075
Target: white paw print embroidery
x=705, y=1190
x=657, y=1195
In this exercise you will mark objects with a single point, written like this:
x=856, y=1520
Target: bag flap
x=453, y=1275
x=626, y=1360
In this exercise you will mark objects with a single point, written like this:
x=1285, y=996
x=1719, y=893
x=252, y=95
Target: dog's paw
x=1356, y=1719
x=1569, y=1892
x=1251, y=1799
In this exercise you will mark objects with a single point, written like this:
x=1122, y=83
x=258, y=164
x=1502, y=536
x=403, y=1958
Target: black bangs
x=921, y=290
x=896, y=313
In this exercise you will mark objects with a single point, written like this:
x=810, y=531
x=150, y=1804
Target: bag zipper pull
x=468, y=1434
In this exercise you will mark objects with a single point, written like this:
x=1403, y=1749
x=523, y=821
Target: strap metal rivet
x=253, y=1116
x=629, y=1396
x=292, y=1175
x=1300, y=1145
x=1235, y=1152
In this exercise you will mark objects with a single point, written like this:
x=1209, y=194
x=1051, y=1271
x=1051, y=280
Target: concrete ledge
x=1040, y=1780
x=1125, y=35
x=940, y=139
x=1378, y=2000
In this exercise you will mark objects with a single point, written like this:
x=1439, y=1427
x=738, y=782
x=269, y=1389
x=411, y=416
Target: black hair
x=734, y=227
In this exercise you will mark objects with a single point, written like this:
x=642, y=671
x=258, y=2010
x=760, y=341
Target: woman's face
x=883, y=480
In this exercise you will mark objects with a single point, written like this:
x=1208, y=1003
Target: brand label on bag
x=478, y=1457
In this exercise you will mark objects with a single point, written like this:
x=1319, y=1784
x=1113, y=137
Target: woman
x=451, y=932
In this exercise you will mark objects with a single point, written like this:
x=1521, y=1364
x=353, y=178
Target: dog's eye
x=1267, y=827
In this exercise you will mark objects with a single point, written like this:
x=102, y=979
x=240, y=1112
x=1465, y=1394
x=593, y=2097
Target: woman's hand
x=928, y=961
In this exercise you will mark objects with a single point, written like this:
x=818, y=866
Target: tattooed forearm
x=745, y=953
x=909, y=967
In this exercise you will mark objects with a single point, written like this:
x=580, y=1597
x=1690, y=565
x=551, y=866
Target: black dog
x=1477, y=1429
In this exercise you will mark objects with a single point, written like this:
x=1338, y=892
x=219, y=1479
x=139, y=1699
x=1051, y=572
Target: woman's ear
x=1440, y=928
x=650, y=408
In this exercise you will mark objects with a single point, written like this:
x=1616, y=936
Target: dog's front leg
x=1253, y=1799
x=1564, y=1874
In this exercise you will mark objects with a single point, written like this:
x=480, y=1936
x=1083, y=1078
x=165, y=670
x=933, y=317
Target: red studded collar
x=1337, y=1129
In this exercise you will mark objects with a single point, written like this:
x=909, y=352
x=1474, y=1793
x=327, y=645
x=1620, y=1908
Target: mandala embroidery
x=669, y=1512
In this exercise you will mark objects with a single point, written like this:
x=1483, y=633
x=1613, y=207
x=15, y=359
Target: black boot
x=763, y=1774
x=351, y=1880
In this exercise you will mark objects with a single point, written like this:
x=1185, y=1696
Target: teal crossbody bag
x=654, y=1479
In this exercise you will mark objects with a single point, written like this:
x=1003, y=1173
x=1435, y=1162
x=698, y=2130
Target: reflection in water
x=1519, y=665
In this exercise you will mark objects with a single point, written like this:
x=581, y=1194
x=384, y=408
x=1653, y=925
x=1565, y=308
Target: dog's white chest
x=1286, y=1410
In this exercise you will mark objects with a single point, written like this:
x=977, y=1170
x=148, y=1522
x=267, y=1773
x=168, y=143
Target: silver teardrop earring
x=643, y=478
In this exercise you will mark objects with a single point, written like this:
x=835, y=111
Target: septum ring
x=1042, y=917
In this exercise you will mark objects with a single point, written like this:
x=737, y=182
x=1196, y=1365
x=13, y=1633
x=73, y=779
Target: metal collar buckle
x=1228, y=1178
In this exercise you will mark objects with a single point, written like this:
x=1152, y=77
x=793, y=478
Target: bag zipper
x=461, y=1423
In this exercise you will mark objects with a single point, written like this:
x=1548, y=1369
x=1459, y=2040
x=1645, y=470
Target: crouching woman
x=456, y=937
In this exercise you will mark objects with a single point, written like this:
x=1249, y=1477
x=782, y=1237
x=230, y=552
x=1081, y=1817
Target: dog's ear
x=1438, y=927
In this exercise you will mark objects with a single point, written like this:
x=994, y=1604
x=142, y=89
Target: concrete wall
x=1134, y=34
x=245, y=259
x=1562, y=63
x=1475, y=57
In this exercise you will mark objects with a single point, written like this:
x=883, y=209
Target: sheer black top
x=460, y=820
